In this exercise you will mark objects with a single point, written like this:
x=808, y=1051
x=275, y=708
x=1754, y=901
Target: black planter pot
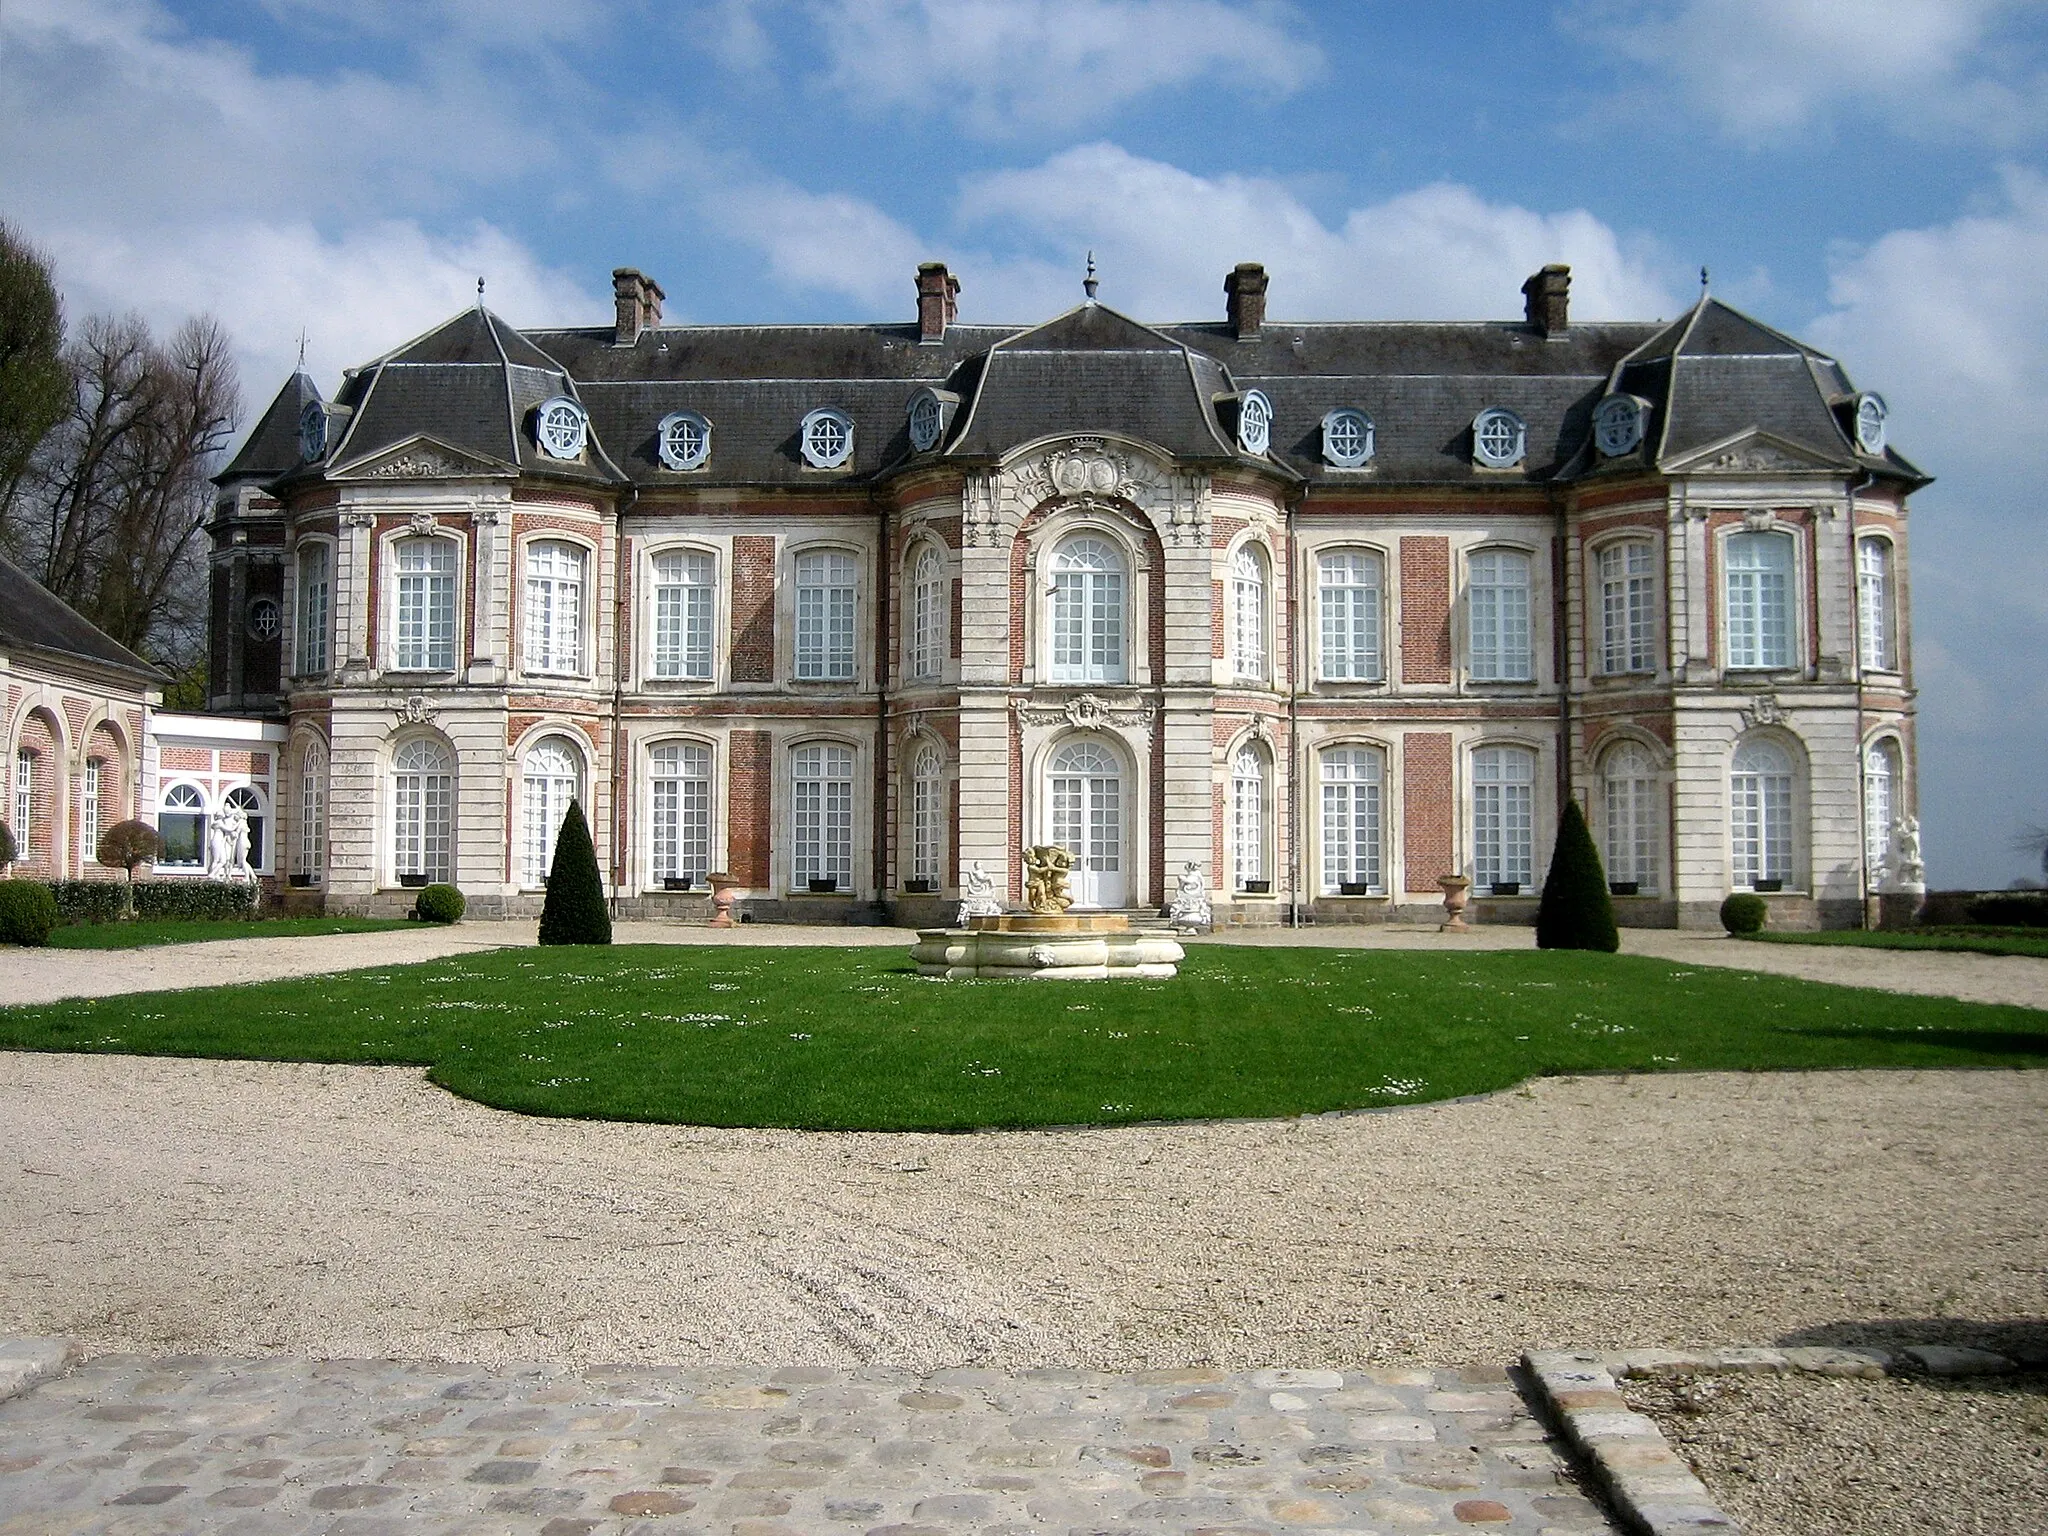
x=824, y=887
x=1624, y=887
x=1354, y=887
x=919, y=887
x=1258, y=887
x=1770, y=887
x=1506, y=888
x=676, y=882
x=300, y=882
x=413, y=882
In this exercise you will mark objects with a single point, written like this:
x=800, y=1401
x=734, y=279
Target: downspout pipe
x=1561, y=652
x=885, y=571
x=1294, y=661
x=620, y=652
x=1861, y=483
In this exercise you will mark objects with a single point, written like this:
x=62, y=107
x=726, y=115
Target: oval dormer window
x=1870, y=416
x=1347, y=439
x=683, y=440
x=827, y=438
x=561, y=426
x=1618, y=425
x=1498, y=438
x=927, y=420
x=313, y=432
x=1254, y=422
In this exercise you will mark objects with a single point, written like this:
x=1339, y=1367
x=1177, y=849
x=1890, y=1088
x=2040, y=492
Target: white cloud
x=824, y=241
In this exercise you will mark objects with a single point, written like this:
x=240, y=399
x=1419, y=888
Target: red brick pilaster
x=1428, y=806
x=753, y=610
x=1426, y=610
x=748, y=828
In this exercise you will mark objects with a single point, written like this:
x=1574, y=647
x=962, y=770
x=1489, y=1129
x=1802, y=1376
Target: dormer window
x=1254, y=422
x=561, y=427
x=683, y=440
x=1347, y=439
x=1870, y=417
x=931, y=411
x=827, y=438
x=313, y=432
x=1499, y=438
x=1618, y=425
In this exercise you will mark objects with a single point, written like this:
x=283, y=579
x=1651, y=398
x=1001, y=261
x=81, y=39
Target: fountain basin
x=1043, y=947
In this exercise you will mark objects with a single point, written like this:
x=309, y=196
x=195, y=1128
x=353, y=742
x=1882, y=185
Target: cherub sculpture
x=979, y=897
x=1190, y=906
x=1045, y=885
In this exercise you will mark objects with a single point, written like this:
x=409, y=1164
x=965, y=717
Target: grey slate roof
x=272, y=447
x=32, y=618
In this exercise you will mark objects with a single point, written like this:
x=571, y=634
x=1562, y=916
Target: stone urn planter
x=1457, y=891
x=724, y=889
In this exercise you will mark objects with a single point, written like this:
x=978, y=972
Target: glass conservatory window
x=181, y=823
x=822, y=802
x=1759, y=589
x=685, y=602
x=426, y=605
x=1352, y=778
x=1348, y=587
x=1760, y=820
x=1503, y=815
x=825, y=596
x=1498, y=617
x=1088, y=612
x=680, y=773
x=250, y=804
x=1628, y=584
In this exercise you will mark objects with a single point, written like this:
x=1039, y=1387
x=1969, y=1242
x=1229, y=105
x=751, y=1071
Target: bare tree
x=35, y=386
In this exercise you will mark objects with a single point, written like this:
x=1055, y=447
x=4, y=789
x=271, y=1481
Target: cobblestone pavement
x=126, y=1445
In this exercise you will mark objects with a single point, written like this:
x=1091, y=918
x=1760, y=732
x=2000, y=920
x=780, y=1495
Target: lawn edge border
x=27, y=1360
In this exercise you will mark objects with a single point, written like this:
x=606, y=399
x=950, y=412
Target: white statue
x=1190, y=907
x=229, y=834
x=1912, y=873
x=980, y=899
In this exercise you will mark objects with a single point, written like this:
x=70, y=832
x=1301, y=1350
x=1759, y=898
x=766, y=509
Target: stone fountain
x=1044, y=942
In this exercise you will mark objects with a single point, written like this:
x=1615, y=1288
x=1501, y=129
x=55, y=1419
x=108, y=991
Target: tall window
x=680, y=772
x=1760, y=600
x=181, y=823
x=927, y=814
x=24, y=800
x=1874, y=605
x=927, y=614
x=1760, y=813
x=1880, y=807
x=1248, y=815
x=824, y=615
x=1628, y=619
x=309, y=858
x=315, y=610
x=250, y=804
x=1087, y=612
x=1248, y=614
x=1503, y=815
x=547, y=785
x=684, y=605
x=822, y=798
x=1631, y=818
x=422, y=810
x=1348, y=589
x=1498, y=613
x=426, y=605
x=89, y=806
x=1352, y=779
x=554, y=607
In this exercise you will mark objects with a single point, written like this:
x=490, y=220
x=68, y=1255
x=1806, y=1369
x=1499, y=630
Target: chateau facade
x=1329, y=611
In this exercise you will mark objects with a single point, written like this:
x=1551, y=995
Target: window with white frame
x=309, y=858
x=1874, y=609
x=1631, y=819
x=554, y=606
x=1348, y=593
x=826, y=439
x=426, y=605
x=821, y=802
x=683, y=440
x=89, y=806
x=250, y=804
x=1760, y=813
x=685, y=608
x=24, y=799
x=679, y=773
x=1880, y=808
x=422, y=810
x=315, y=609
x=1503, y=816
x=1497, y=617
x=1248, y=816
x=927, y=614
x=1759, y=600
x=1628, y=613
x=1347, y=439
x=825, y=595
x=1352, y=778
x=548, y=782
x=1248, y=614
x=1087, y=612
x=181, y=824
x=927, y=814
x=1499, y=438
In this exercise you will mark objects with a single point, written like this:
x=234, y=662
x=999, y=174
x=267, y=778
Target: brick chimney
x=938, y=300
x=1549, y=300
x=638, y=298
x=1244, y=289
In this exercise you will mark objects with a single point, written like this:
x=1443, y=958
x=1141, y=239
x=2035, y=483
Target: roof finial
x=479, y=293
x=1703, y=282
x=302, y=349
x=1088, y=283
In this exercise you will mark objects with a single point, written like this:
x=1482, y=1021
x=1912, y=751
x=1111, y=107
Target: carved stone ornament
x=486, y=517
x=1091, y=712
x=981, y=517
x=422, y=523
x=358, y=519
x=1753, y=458
x=416, y=710
x=1764, y=710
x=1758, y=520
x=415, y=464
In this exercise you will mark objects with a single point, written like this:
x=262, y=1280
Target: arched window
x=1503, y=817
x=825, y=598
x=250, y=804
x=1352, y=780
x=426, y=605
x=1760, y=815
x=554, y=606
x=1759, y=589
x=1498, y=617
x=1880, y=808
x=1085, y=793
x=1628, y=615
x=1348, y=588
x=89, y=805
x=685, y=603
x=1631, y=821
x=927, y=814
x=24, y=800
x=1248, y=818
x=1874, y=607
x=1248, y=614
x=181, y=823
x=821, y=799
x=549, y=781
x=680, y=779
x=315, y=611
x=927, y=614
x=1087, y=612
x=309, y=858
x=422, y=810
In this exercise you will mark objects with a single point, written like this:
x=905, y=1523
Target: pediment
x=422, y=458
x=1752, y=452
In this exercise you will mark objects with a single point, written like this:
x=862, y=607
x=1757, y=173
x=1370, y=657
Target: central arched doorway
x=1086, y=797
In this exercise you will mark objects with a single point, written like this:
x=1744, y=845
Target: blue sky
x=1871, y=175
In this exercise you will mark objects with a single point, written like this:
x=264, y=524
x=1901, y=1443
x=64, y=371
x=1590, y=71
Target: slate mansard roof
x=471, y=387
x=36, y=621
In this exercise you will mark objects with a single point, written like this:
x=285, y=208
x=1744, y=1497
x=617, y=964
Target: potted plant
x=413, y=882
x=1506, y=888
x=919, y=887
x=824, y=885
x=1770, y=886
x=1264, y=888
x=724, y=888
x=676, y=882
x=1624, y=887
x=1354, y=887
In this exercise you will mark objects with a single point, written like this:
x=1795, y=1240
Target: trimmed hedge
x=209, y=899
x=1577, y=911
x=27, y=912
x=439, y=904
x=1744, y=912
x=2011, y=909
x=87, y=901
x=575, y=911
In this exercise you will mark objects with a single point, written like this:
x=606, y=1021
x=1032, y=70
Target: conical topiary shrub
x=574, y=912
x=1577, y=912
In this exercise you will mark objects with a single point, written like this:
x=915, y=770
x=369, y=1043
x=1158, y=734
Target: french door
x=1086, y=793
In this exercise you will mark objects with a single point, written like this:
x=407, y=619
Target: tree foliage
x=35, y=384
x=574, y=912
x=128, y=843
x=1576, y=912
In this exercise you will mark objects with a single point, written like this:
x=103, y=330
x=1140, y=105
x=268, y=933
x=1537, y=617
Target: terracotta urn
x=724, y=890
x=1457, y=891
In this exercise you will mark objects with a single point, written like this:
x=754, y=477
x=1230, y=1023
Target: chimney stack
x=638, y=298
x=1244, y=289
x=1549, y=300
x=938, y=300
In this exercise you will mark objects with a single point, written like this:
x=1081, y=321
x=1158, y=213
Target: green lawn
x=149, y=931
x=853, y=1038
x=1982, y=941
